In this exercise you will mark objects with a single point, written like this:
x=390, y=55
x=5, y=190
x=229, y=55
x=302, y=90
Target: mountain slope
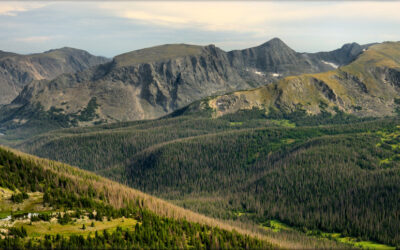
x=128, y=89
x=46, y=203
x=152, y=82
x=16, y=71
x=69, y=193
x=369, y=86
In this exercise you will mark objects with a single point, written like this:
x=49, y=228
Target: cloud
x=12, y=8
x=205, y=15
x=257, y=17
x=34, y=39
x=110, y=28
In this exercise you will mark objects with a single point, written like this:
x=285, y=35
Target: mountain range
x=368, y=86
x=152, y=82
x=16, y=71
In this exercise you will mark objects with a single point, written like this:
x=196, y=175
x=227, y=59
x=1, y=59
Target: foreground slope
x=50, y=204
x=369, y=86
x=68, y=208
x=152, y=82
x=16, y=71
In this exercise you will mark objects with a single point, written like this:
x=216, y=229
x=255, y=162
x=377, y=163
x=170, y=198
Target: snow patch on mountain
x=330, y=64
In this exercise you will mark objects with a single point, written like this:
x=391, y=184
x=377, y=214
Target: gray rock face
x=368, y=86
x=345, y=55
x=274, y=59
x=150, y=83
x=16, y=71
x=141, y=90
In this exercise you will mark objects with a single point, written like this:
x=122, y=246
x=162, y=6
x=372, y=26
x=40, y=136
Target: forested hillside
x=309, y=172
x=52, y=205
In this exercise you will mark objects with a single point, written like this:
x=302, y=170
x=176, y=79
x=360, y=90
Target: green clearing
x=278, y=226
x=282, y=123
x=354, y=242
x=288, y=141
x=33, y=204
x=242, y=213
x=42, y=228
x=390, y=140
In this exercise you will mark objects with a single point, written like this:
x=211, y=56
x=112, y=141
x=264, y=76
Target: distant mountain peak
x=17, y=71
x=352, y=49
x=366, y=85
x=157, y=53
x=274, y=42
x=6, y=53
x=65, y=49
x=151, y=82
x=351, y=46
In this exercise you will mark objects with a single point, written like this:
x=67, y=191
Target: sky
x=109, y=28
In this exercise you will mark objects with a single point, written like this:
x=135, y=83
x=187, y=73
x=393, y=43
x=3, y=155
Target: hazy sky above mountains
x=110, y=28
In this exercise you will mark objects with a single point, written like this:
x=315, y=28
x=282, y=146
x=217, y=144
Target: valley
x=286, y=169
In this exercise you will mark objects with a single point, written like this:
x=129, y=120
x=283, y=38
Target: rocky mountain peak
x=66, y=48
x=157, y=54
x=16, y=71
x=274, y=43
x=151, y=82
x=352, y=48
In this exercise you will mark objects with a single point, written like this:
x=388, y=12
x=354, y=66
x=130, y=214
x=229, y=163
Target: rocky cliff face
x=369, y=86
x=16, y=71
x=131, y=88
x=152, y=82
x=274, y=59
x=343, y=56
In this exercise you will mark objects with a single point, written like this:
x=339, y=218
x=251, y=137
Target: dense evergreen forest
x=335, y=173
x=67, y=198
